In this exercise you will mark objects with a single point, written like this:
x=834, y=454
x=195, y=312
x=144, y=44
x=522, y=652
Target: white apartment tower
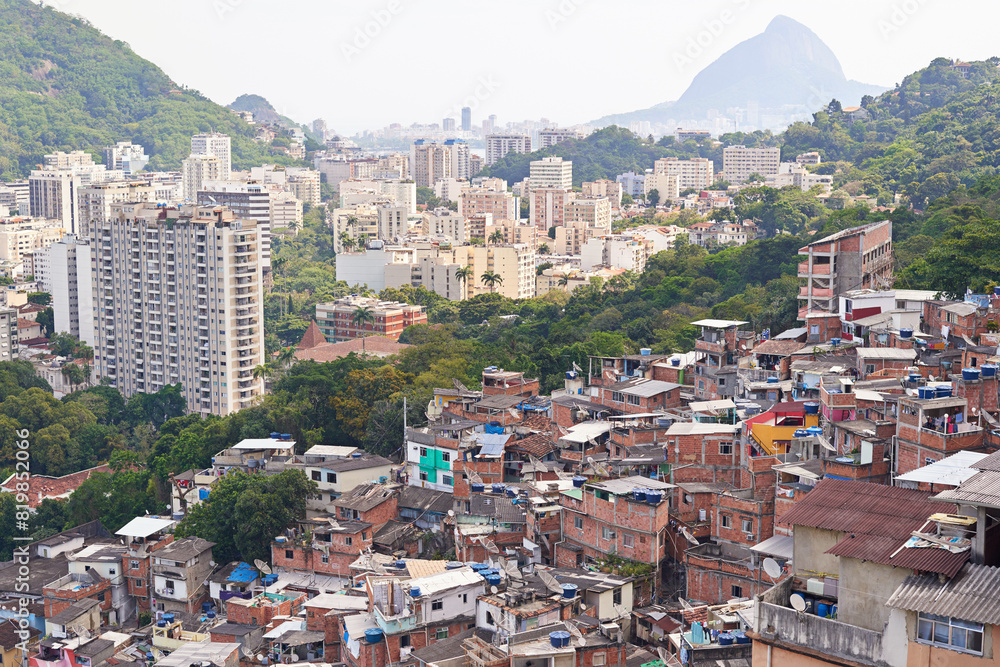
x=695, y=173
x=551, y=172
x=739, y=162
x=551, y=136
x=249, y=200
x=126, y=156
x=215, y=144
x=177, y=299
x=429, y=163
x=71, y=280
x=94, y=201
x=498, y=145
x=195, y=170
x=8, y=334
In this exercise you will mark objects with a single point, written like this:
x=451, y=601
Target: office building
x=178, y=297
x=466, y=119
x=739, y=162
x=448, y=124
x=551, y=172
x=498, y=145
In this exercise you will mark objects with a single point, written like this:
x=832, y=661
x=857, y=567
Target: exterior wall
x=878, y=583
x=642, y=523
x=809, y=546
x=307, y=559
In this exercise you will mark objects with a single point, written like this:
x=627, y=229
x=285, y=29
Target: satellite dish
x=493, y=589
x=260, y=658
x=262, y=566
x=451, y=513
x=772, y=568
x=798, y=602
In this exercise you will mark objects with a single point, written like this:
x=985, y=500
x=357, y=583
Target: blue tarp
x=492, y=443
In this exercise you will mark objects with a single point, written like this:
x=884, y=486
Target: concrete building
x=551, y=172
x=856, y=258
x=248, y=200
x=178, y=294
x=70, y=277
x=94, y=201
x=286, y=210
x=196, y=170
x=459, y=152
x=466, y=119
x=610, y=190
x=126, y=156
x=795, y=174
x=498, y=145
x=179, y=573
x=551, y=136
x=667, y=186
x=697, y=173
x=217, y=145
x=620, y=251
x=8, y=334
x=304, y=184
x=336, y=319
x=21, y=236
x=430, y=162
x=482, y=201
x=739, y=162
x=514, y=263
x=632, y=184
x=585, y=219
x=445, y=222
x=548, y=207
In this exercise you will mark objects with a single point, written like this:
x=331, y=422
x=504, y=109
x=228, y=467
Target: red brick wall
x=711, y=580
x=981, y=394
x=307, y=559
x=261, y=615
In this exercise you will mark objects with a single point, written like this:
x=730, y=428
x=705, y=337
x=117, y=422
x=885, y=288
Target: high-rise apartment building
x=177, y=298
x=739, y=162
x=429, y=162
x=69, y=274
x=8, y=334
x=466, y=119
x=478, y=201
x=19, y=236
x=195, y=170
x=547, y=206
x=61, y=160
x=498, y=145
x=217, y=145
x=514, y=263
x=126, y=156
x=94, y=201
x=448, y=124
x=53, y=195
x=552, y=136
x=459, y=151
x=551, y=172
x=695, y=173
x=304, y=184
x=248, y=200
x=586, y=218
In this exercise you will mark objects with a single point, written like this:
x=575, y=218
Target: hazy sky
x=362, y=64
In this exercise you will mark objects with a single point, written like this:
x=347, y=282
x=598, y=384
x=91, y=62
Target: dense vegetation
x=65, y=86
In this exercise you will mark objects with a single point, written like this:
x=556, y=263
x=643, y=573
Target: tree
x=76, y=374
x=653, y=198
x=564, y=280
x=491, y=279
x=463, y=274
x=543, y=249
x=40, y=298
x=46, y=319
x=286, y=357
x=496, y=238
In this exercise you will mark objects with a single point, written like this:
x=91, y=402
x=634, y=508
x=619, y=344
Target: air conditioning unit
x=612, y=536
x=750, y=537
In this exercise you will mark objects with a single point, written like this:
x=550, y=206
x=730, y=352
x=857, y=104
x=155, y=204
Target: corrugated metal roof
x=981, y=489
x=697, y=428
x=886, y=353
x=791, y=333
x=144, y=526
x=778, y=545
x=991, y=462
x=952, y=470
x=877, y=520
x=970, y=596
x=585, y=431
x=626, y=485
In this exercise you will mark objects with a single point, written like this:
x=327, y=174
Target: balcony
x=783, y=625
x=817, y=269
x=817, y=292
x=718, y=347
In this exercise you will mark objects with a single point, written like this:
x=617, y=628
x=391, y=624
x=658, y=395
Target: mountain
x=786, y=69
x=261, y=109
x=66, y=86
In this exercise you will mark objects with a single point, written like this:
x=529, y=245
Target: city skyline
x=367, y=40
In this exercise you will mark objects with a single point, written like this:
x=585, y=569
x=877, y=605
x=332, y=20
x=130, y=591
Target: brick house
x=497, y=381
x=641, y=395
x=928, y=430
x=872, y=360
x=332, y=550
x=954, y=319
x=717, y=349
x=375, y=504
x=144, y=536
x=180, y=570
x=261, y=609
x=322, y=615
x=704, y=452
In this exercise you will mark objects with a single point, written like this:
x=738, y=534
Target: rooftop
x=893, y=353
x=877, y=520
x=970, y=595
x=364, y=497
x=144, y=526
x=184, y=549
x=718, y=324
x=626, y=485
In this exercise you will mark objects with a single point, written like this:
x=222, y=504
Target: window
x=448, y=480
x=423, y=476
x=289, y=554
x=316, y=476
x=633, y=400
x=952, y=633
x=628, y=539
x=726, y=448
x=869, y=369
x=617, y=397
x=348, y=540
x=111, y=570
x=726, y=520
x=325, y=559
x=404, y=641
x=607, y=533
x=135, y=565
x=138, y=583
x=331, y=477
x=737, y=591
x=442, y=633
x=423, y=452
x=747, y=525
x=598, y=659
x=445, y=456
x=437, y=605
x=578, y=522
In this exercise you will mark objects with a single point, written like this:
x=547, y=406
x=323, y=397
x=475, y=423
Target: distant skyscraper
x=466, y=119
x=448, y=125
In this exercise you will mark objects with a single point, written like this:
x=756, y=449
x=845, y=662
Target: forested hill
x=65, y=86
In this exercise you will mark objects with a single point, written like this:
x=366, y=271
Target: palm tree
x=286, y=357
x=496, y=238
x=362, y=317
x=346, y=241
x=563, y=280
x=463, y=274
x=492, y=280
x=293, y=226
x=543, y=249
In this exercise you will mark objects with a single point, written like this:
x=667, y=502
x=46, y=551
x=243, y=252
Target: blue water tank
x=639, y=495
x=205, y=606
x=559, y=638
x=357, y=455
x=400, y=564
x=479, y=567
x=835, y=341
x=823, y=609
x=988, y=370
x=275, y=435
x=943, y=391
x=511, y=492
x=280, y=539
x=161, y=623
x=177, y=516
x=645, y=351
x=498, y=488
x=800, y=433
x=814, y=430
x=415, y=592
x=914, y=377
x=579, y=481
x=905, y=333
x=675, y=361
x=251, y=463
x=772, y=380
x=570, y=590
x=726, y=639
x=741, y=637
x=970, y=373
x=477, y=487
x=493, y=580
x=286, y=436
x=373, y=635
x=926, y=392
x=653, y=497
x=811, y=408
x=210, y=614
x=570, y=375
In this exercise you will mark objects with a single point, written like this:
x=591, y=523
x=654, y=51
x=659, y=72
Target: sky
x=362, y=64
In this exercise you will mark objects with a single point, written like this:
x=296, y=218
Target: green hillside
x=65, y=86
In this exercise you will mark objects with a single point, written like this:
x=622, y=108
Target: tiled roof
x=312, y=337
x=42, y=487
x=781, y=348
x=364, y=497
x=877, y=520
x=377, y=346
x=536, y=444
x=9, y=637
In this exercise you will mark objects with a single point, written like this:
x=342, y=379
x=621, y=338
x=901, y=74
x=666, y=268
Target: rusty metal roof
x=876, y=520
x=971, y=595
x=981, y=489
